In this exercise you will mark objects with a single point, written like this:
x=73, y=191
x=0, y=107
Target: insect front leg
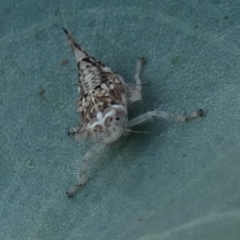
x=134, y=93
x=77, y=132
x=83, y=170
x=165, y=115
x=73, y=131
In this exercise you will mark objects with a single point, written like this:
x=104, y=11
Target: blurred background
x=178, y=181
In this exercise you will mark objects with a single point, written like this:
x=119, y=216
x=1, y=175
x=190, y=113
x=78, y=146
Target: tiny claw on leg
x=195, y=114
x=201, y=112
x=142, y=59
x=73, y=190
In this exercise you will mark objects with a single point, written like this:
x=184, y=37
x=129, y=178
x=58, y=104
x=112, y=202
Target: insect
x=103, y=105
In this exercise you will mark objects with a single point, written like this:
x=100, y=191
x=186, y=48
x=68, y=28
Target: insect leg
x=165, y=115
x=83, y=170
x=134, y=93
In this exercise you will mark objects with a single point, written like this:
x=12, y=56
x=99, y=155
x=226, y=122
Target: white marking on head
x=101, y=120
x=99, y=115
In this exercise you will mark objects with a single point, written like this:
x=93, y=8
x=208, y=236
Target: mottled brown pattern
x=101, y=98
